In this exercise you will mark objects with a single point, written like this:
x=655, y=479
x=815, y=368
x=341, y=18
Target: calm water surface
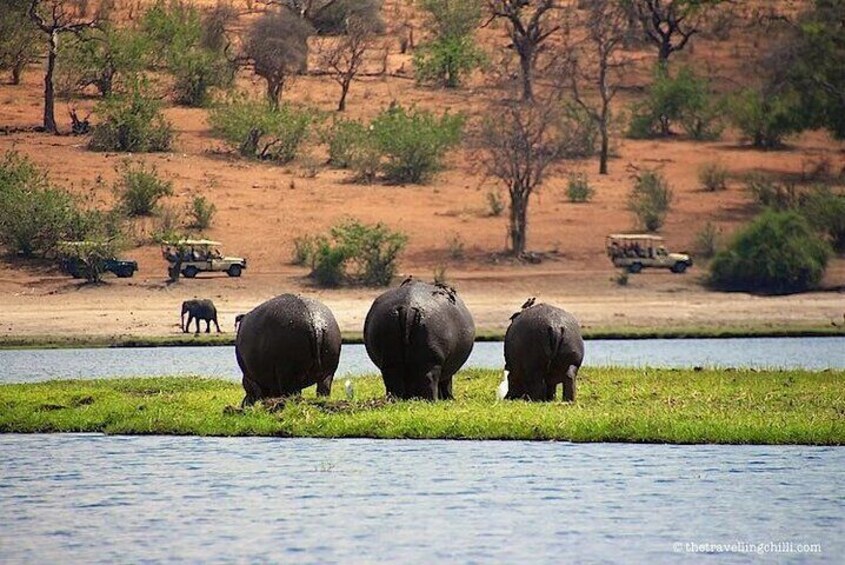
x=40, y=365
x=96, y=499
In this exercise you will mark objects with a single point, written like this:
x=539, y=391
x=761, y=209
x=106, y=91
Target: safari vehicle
x=638, y=251
x=71, y=263
x=201, y=255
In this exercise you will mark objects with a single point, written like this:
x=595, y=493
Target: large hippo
x=419, y=335
x=543, y=348
x=286, y=344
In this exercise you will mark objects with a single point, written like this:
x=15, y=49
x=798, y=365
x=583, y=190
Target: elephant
x=199, y=309
x=288, y=343
x=419, y=335
x=543, y=348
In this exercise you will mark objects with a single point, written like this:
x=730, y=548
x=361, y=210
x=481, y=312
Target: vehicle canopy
x=192, y=243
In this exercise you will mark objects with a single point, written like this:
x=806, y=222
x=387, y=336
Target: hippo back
x=546, y=334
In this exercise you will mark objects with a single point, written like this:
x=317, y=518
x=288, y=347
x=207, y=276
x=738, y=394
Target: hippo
x=419, y=335
x=286, y=344
x=543, y=348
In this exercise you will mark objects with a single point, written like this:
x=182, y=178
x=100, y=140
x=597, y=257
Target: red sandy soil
x=262, y=207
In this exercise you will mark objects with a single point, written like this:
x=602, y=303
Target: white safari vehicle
x=199, y=255
x=635, y=251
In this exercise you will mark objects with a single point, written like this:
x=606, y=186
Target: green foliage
x=453, y=52
x=189, y=48
x=685, y=99
x=413, y=142
x=651, y=199
x=713, y=176
x=353, y=146
x=614, y=404
x=582, y=132
x=89, y=257
x=139, y=188
x=260, y=131
x=578, y=188
x=19, y=38
x=495, y=203
x=765, y=118
x=825, y=210
x=771, y=194
x=201, y=212
x=353, y=252
x=778, y=253
x=707, y=241
x=131, y=122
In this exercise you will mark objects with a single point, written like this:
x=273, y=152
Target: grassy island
x=623, y=405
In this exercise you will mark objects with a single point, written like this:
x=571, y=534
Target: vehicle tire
x=234, y=271
x=125, y=273
x=635, y=267
x=190, y=272
x=679, y=267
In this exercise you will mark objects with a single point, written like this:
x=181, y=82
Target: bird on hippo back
x=286, y=344
x=419, y=335
x=199, y=309
x=543, y=348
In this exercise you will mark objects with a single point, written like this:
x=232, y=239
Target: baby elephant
x=543, y=348
x=286, y=344
x=199, y=310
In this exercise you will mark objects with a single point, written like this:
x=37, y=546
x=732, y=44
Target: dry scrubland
x=262, y=207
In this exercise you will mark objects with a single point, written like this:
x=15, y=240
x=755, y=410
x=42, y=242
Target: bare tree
x=528, y=27
x=518, y=143
x=670, y=24
x=53, y=18
x=277, y=46
x=595, y=61
x=345, y=55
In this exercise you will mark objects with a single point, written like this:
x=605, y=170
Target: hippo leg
x=253, y=392
x=431, y=384
x=446, y=389
x=393, y=382
x=551, y=390
x=569, y=383
x=324, y=387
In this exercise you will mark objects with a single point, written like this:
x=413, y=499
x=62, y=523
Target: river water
x=38, y=365
x=96, y=499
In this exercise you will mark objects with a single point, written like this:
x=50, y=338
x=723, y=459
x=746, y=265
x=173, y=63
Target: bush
x=331, y=18
x=683, y=99
x=582, y=133
x=713, y=176
x=201, y=211
x=139, y=189
x=650, y=200
x=578, y=188
x=495, y=204
x=778, y=253
x=353, y=252
x=131, y=123
x=707, y=241
x=771, y=194
x=345, y=138
x=259, y=131
x=413, y=142
x=765, y=119
x=825, y=211
x=447, y=60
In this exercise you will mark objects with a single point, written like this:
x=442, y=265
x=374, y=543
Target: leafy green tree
x=825, y=210
x=131, y=122
x=766, y=115
x=19, y=38
x=453, y=51
x=89, y=256
x=778, y=252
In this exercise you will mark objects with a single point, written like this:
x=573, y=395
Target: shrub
x=825, y=211
x=578, y=188
x=456, y=247
x=765, y=119
x=413, y=142
x=139, y=189
x=259, y=131
x=769, y=193
x=650, y=200
x=447, y=60
x=131, y=123
x=353, y=252
x=331, y=18
x=495, y=203
x=201, y=212
x=582, y=133
x=778, y=252
x=707, y=241
x=345, y=139
x=713, y=176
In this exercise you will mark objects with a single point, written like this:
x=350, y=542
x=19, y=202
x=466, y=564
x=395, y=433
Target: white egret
x=502, y=389
x=350, y=392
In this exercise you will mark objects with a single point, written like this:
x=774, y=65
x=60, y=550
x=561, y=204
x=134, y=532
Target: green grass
x=624, y=405
x=228, y=338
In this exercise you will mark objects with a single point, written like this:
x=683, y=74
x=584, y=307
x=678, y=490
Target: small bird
x=502, y=389
x=350, y=392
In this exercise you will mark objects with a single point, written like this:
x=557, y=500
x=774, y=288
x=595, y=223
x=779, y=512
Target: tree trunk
x=605, y=140
x=17, y=71
x=525, y=66
x=344, y=90
x=274, y=92
x=49, y=94
x=518, y=224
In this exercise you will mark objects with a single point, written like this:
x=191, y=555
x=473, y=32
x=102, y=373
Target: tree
x=453, y=51
x=18, y=38
x=54, y=18
x=277, y=46
x=606, y=24
x=329, y=17
x=670, y=24
x=528, y=28
x=519, y=143
x=345, y=55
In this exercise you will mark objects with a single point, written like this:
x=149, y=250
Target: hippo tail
x=409, y=318
x=318, y=337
